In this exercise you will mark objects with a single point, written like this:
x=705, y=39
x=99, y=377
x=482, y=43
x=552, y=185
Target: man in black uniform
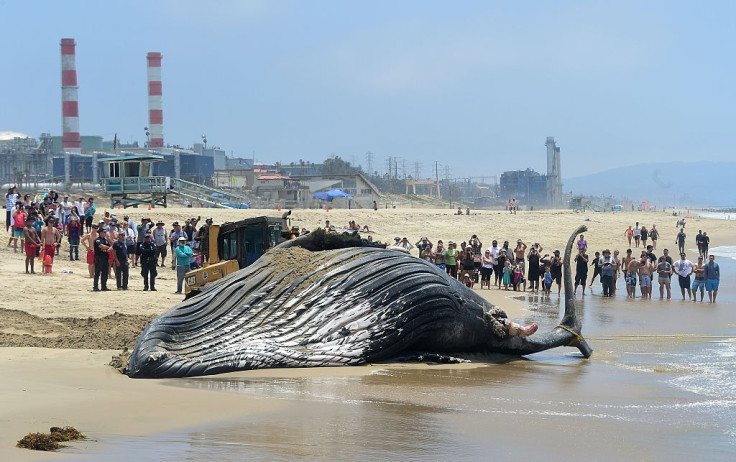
x=102, y=260
x=149, y=257
x=121, y=259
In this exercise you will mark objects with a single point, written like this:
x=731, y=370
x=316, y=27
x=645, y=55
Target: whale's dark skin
x=301, y=306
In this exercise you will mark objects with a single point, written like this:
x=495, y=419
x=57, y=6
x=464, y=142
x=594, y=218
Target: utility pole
x=417, y=170
x=436, y=171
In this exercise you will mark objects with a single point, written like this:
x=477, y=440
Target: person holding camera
x=607, y=265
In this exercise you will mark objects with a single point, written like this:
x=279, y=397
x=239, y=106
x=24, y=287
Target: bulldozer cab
x=245, y=240
x=234, y=246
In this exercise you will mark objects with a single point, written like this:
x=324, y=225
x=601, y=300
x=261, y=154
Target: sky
x=474, y=85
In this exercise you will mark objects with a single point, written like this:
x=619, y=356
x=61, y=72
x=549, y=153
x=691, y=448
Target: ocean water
x=661, y=385
x=718, y=215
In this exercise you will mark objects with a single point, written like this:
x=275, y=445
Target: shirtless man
x=49, y=237
x=645, y=276
x=631, y=271
x=519, y=253
x=88, y=241
x=699, y=281
x=664, y=272
x=32, y=241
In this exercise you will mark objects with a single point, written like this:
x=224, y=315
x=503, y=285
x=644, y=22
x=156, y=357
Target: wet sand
x=637, y=398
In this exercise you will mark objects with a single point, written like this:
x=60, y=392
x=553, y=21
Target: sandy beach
x=57, y=335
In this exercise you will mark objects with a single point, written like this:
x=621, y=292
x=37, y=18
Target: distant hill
x=700, y=184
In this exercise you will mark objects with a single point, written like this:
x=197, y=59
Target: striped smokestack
x=155, y=100
x=71, y=141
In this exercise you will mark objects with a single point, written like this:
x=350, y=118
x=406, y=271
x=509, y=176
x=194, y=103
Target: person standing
x=664, y=272
x=89, y=213
x=451, y=258
x=534, y=269
x=19, y=222
x=32, y=242
x=645, y=276
x=581, y=268
x=159, y=238
x=654, y=235
x=73, y=236
x=684, y=268
x=122, y=266
x=102, y=251
x=439, y=255
x=698, y=241
x=65, y=211
x=10, y=199
x=637, y=234
x=616, y=270
x=148, y=260
x=699, y=280
x=555, y=264
x=183, y=257
x=680, y=240
x=49, y=237
x=606, y=263
x=712, y=278
x=596, y=268
x=704, y=243
x=174, y=236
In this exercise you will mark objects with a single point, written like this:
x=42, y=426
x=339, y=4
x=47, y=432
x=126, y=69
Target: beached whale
x=302, y=306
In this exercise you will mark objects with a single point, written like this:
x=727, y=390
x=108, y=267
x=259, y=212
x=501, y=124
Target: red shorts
x=49, y=249
x=90, y=257
x=30, y=249
x=111, y=257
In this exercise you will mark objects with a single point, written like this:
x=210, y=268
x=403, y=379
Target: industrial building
x=533, y=189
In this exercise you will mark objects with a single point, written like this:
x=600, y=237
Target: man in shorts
x=712, y=278
x=645, y=276
x=699, y=280
x=581, y=269
x=632, y=270
x=684, y=268
x=32, y=242
x=664, y=277
x=451, y=257
x=159, y=238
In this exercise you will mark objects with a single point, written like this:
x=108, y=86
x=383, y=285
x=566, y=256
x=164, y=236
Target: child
x=506, y=275
x=519, y=278
x=547, y=280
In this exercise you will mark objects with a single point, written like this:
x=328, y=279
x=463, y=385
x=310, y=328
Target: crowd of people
x=526, y=267
x=110, y=245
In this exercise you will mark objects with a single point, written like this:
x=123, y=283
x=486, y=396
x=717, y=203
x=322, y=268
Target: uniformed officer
x=102, y=250
x=149, y=256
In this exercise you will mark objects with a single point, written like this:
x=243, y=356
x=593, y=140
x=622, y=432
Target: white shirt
x=80, y=208
x=66, y=208
x=683, y=267
x=10, y=202
x=494, y=254
x=637, y=231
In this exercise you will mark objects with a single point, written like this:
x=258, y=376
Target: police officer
x=149, y=257
x=102, y=250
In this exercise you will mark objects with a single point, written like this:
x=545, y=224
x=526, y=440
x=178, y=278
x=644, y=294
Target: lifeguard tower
x=129, y=181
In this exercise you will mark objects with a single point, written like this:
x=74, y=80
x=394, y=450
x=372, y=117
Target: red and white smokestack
x=155, y=100
x=71, y=140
